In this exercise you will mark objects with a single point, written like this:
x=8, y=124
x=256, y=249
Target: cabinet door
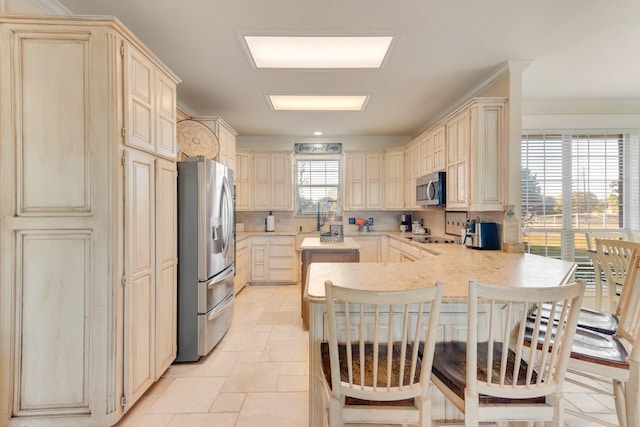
x=139, y=290
x=458, y=135
x=439, y=148
x=259, y=263
x=355, y=182
x=243, y=181
x=394, y=179
x=139, y=92
x=426, y=151
x=411, y=154
x=261, y=184
x=166, y=142
x=370, y=248
x=281, y=190
x=488, y=157
x=167, y=262
x=375, y=181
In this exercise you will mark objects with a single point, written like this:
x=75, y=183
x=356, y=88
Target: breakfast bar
x=455, y=266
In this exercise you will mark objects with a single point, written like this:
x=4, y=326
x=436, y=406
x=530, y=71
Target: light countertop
x=315, y=243
x=454, y=267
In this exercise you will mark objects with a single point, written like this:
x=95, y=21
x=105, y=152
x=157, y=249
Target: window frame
x=316, y=157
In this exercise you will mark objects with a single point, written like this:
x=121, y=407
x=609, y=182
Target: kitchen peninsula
x=454, y=266
x=314, y=250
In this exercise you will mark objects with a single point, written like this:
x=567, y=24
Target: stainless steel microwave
x=431, y=189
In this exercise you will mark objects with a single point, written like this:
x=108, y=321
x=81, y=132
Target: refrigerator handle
x=216, y=280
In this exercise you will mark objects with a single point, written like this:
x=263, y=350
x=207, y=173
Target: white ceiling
x=583, y=52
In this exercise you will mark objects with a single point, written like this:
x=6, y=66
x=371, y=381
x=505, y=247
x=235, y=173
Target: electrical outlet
x=370, y=221
x=352, y=220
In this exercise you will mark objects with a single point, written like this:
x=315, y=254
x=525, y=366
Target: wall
x=33, y=7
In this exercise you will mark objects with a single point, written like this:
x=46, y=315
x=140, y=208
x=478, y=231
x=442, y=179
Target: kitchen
x=97, y=222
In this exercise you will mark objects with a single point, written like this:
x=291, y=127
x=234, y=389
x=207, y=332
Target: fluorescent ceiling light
x=318, y=52
x=317, y=102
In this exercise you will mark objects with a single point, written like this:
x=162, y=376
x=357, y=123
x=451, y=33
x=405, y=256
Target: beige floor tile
x=204, y=420
x=188, y=395
x=228, y=402
x=222, y=364
x=286, y=351
x=253, y=377
x=294, y=368
x=275, y=410
x=293, y=383
x=246, y=341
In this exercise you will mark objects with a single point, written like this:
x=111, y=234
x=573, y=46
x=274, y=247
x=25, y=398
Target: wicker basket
x=331, y=238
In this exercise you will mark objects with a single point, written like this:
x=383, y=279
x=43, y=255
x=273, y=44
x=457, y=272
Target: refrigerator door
x=216, y=223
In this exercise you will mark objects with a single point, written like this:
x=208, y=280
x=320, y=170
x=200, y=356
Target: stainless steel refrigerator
x=206, y=256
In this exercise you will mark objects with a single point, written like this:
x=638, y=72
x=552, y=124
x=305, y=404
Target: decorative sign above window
x=331, y=148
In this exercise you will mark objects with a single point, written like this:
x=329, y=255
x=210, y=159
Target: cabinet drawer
x=279, y=251
x=281, y=262
x=282, y=241
x=411, y=250
x=260, y=240
x=397, y=244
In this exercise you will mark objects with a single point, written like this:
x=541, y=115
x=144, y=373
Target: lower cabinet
x=273, y=259
x=243, y=265
x=370, y=248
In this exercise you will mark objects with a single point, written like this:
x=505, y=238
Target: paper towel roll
x=271, y=223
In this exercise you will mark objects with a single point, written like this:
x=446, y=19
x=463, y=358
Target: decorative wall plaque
x=195, y=139
x=328, y=148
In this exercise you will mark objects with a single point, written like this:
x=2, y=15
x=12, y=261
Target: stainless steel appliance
x=206, y=256
x=405, y=222
x=481, y=235
x=431, y=189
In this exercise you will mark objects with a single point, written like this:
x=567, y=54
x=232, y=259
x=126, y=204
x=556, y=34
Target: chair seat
x=604, y=323
x=593, y=347
x=450, y=366
x=382, y=369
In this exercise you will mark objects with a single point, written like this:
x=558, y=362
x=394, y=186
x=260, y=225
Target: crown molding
x=51, y=7
x=507, y=67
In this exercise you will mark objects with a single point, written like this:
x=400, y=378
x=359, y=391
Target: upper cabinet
x=149, y=106
x=476, y=156
x=226, y=139
x=363, y=186
x=243, y=179
x=412, y=159
x=272, y=179
x=394, y=178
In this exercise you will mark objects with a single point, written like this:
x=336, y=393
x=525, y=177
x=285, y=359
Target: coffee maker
x=405, y=222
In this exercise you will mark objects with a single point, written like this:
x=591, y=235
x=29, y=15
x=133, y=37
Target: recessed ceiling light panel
x=318, y=52
x=317, y=102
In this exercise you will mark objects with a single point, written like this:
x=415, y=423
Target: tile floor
x=257, y=375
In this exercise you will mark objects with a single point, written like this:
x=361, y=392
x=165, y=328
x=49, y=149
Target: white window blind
x=573, y=183
x=316, y=179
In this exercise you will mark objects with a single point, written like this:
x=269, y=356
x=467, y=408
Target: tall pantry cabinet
x=87, y=220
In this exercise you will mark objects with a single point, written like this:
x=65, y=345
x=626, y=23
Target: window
x=316, y=179
x=573, y=183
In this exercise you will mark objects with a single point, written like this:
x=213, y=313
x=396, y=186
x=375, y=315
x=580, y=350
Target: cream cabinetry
x=243, y=264
x=412, y=159
x=364, y=180
x=370, y=248
x=87, y=220
x=395, y=251
x=226, y=138
x=394, y=179
x=150, y=105
x=272, y=180
x=476, y=156
x=274, y=259
x=433, y=150
x=243, y=180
